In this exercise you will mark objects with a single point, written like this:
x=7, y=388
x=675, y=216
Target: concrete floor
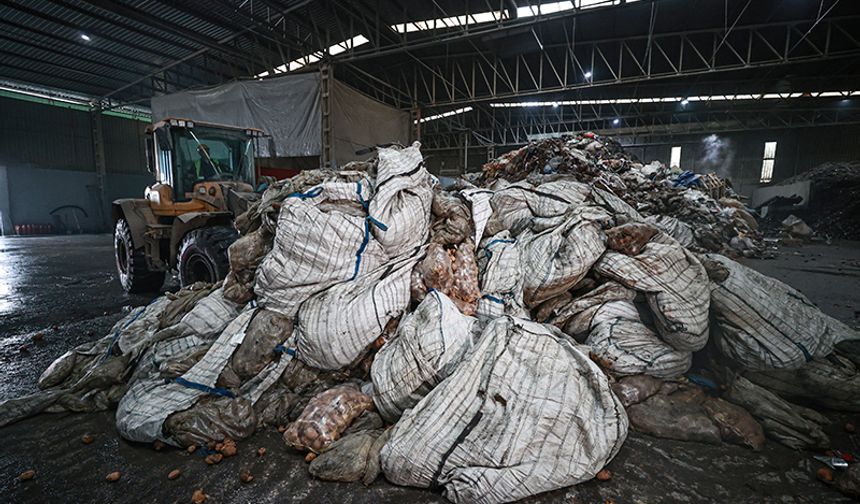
x=66, y=288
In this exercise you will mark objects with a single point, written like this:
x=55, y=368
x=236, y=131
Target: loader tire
x=203, y=254
x=134, y=274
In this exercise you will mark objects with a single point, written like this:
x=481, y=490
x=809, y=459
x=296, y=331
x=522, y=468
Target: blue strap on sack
x=116, y=333
x=205, y=388
x=313, y=193
x=280, y=349
x=367, y=222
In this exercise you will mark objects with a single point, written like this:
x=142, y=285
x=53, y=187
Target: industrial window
x=767, y=162
x=675, y=159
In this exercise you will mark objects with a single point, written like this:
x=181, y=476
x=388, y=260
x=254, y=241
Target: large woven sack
x=334, y=328
x=526, y=412
x=556, y=259
x=402, y=198
x=520, y=206
x=151, y=398
x=614, y=330
x=501, y=276
x=762, y=323
x=675, y=285
x=428, y=345
x=323, y=237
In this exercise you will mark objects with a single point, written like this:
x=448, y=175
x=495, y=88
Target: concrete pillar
x=5, y=204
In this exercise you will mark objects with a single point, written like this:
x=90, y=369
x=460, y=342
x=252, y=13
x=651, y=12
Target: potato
x=114, y=476
x=87, y=439
x=27, y=475
x=198, y=497
x=245, y=476
x=172, y=475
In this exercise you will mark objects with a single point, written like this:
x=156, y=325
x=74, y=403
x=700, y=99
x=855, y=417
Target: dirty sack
x=452, y=271
x=245, y=255
x=501, y=276
x=521, y=206
x=761, y=323
x=688, y=414
x=334, y=327
x=354, y=457
x=93, y=375
x=326, y=417
x=677, y=229
x=323, y=237
x=142, y=414
x=428, y=345
x=401, y=200
x=608, y=321
x=675, y=285
x=557, y=258
x=831, y=382
x=526, y=412
x=789, y=424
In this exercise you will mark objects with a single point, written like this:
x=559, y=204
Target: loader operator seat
x=206, y=166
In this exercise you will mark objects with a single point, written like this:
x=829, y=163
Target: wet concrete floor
x=66, y=288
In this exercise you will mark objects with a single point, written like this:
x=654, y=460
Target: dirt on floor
x=66, y=289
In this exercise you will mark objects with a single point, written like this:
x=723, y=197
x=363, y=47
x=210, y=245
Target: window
x=675, y=159
x=767, y=162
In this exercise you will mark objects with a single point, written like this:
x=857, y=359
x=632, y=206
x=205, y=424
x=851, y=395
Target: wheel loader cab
x=205, y=177
x=195, y=160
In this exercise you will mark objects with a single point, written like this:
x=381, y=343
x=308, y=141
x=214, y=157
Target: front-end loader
x=205, y=176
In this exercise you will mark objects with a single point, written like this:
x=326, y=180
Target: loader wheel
x=134, y=274
x=203, y=254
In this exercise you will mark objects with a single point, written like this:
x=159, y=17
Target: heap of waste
x=495, y=339
x=833, y=208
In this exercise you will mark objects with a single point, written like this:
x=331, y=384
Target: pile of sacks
x=700, y=211
x=492, y=340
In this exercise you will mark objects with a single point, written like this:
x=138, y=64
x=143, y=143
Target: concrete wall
x=47, y=167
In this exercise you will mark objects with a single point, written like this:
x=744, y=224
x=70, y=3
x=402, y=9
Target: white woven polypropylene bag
x=615, y=332
x=323, y=237
x=403, y=194
x=556, y=259
x=428, y=345
x=334, y=328
x=762, y=323
x=526, y=412
x=675, y=284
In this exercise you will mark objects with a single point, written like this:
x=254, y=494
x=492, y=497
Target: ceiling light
x=555, y=105
x=85, y=37
x=587, y=75
x=616, y=121
x=684, y=102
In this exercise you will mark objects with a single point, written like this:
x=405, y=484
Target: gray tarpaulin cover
x=287, y=108
x=359, y=122
x=510, y=422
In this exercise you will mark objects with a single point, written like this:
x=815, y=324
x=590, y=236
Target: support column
x=326, y=146
x=99, y=158
x=416, y=123
x=5, y=204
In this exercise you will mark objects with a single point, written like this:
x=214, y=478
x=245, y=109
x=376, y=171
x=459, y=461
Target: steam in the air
x=717, y=155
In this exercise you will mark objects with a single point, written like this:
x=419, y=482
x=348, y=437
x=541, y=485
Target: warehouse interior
x=452, y=250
